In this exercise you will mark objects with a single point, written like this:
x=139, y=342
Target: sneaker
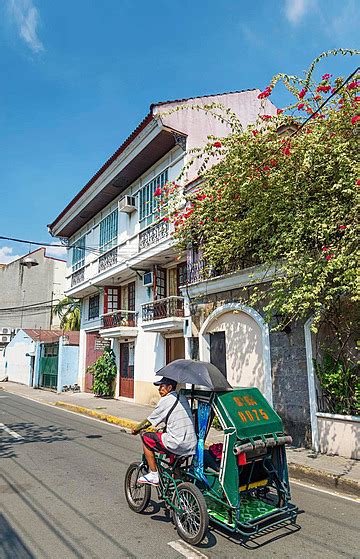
x=151, y=478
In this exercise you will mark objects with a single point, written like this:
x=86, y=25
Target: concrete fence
x=339, y=434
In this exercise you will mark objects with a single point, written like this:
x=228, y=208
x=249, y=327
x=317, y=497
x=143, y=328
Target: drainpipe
x=311, y=385
x=37, y=352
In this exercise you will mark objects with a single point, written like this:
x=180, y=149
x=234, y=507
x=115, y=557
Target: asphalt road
x=61, y=497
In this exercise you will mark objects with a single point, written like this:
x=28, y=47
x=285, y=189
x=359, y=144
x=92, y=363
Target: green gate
x=49, y=365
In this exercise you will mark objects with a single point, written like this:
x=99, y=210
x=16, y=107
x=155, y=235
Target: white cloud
x=295, y=10
x=57, y=252
x=7, y=256
x=26, y=18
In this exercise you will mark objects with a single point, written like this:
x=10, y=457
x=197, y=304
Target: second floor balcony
x=165, y=314
x=119, y=323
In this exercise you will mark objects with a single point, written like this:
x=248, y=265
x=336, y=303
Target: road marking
x=333, y=493
x=187, y=550
x=10, y=432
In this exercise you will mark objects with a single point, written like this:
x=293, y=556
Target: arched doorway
x=236, y=338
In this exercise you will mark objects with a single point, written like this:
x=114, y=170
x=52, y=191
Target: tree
x=104, y=372
x=285, y=202
x=68, y=310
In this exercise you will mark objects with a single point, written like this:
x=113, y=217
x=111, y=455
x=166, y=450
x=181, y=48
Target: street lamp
x=29, y=262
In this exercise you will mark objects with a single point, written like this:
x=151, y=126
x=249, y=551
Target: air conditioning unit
x=148, y=279
x=127, y=204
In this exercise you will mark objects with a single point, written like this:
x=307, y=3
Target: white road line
x=10, y=432
x=187, y=550
x=332, y=493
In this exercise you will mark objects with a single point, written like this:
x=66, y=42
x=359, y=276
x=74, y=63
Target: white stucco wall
x=18, y=364
x=339, y=435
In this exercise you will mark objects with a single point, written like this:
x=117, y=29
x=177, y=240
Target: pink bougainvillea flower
x=324, y=248
x=254, y=132
x=355, y=119
x=342, y=227
x=353, y=85
x=341, y=101
x=302, y=93
x=286, y=150
x=329, y=256
x=324, y=88
x=217, y=144
x=301, y=106
x=317, y=97
x=358, y=182
x=326, y=77
x=273, y=162
x=165, y=219
x=265, y=117
x=158, y=191
x=266, y=93
x=266, y=168
x=279, y=111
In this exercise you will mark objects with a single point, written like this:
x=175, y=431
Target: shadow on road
x=11, y=545
x=30, y=433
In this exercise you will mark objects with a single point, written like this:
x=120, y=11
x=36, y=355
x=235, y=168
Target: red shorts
x=153, y=441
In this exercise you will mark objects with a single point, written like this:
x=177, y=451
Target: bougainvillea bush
x=284, y=196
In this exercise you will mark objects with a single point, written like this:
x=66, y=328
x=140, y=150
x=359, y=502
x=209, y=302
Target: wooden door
x=91, y=356
x=127, y=351
x=218, y=351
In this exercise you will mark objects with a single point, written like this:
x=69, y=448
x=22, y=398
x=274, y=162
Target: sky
x=78, y=76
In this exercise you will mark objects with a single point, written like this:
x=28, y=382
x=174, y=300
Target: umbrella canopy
x=195, y=372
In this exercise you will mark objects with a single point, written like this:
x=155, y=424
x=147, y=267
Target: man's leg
x=150, y=458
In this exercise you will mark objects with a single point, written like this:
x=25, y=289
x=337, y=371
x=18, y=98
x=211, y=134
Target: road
x=61, y=497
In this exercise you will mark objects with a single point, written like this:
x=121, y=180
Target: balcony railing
x=119, y=318
x=199, y=270
x=108, y=260
x=163, y=308
x=78, y=277
x=153, y=235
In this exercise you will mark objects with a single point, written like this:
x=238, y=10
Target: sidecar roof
x=248, y=411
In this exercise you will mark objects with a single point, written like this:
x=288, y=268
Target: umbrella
x=195, y=372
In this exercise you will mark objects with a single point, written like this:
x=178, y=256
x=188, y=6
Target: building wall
x=68, y=365
x=18, y=364
x=20, y=286
x=288, y=364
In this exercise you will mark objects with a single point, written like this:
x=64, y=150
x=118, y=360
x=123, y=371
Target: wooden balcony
x=119, y=318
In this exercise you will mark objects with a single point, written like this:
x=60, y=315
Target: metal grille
x=78, y=277
x=109, y=231
x=163, y=308
x=149, y=205
x=108, y=260
x=119, y=318
x=153, y=235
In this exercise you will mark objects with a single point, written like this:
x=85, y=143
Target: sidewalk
x=334, y=472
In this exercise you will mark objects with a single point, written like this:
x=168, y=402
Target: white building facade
x=122, y=261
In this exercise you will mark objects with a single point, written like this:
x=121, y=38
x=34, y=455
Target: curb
x=296, y=471
x=123, y=422
x=330, y=481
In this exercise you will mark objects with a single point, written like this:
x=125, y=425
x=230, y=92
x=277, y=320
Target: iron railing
x=153, y=235
x=199, y=270
x=78, y=277
x=119, y=318
x=163, y=308
x=108, y=260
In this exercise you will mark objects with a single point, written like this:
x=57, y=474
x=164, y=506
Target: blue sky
x=77, y=76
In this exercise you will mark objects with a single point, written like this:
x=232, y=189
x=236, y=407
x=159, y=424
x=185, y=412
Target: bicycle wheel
x=137, y=494
x=192, y=520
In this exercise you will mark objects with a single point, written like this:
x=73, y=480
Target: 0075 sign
x=252, y=414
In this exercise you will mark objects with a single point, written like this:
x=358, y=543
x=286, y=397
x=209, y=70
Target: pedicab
x=242, y=484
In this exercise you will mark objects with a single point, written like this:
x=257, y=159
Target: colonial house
x=122, y=260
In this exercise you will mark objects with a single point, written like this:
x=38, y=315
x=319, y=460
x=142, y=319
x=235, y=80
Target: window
x=149, y=205
x=182, y=275
x=78, y=254
x=94, y=303
x=131, y=296
x=160, y=283
x=109, y=231
x=111, y=299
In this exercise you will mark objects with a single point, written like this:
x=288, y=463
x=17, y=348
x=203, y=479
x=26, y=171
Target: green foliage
x=68, y=310
x=104, y=372
x=340, y=386
x=285, y=199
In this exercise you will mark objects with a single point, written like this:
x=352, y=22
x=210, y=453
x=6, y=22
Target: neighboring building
x=28, y=294
x=130, y=288
x=43, y=358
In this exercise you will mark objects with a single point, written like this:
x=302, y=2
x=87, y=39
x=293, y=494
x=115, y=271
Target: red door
x=91, y=356
x=127, y=369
